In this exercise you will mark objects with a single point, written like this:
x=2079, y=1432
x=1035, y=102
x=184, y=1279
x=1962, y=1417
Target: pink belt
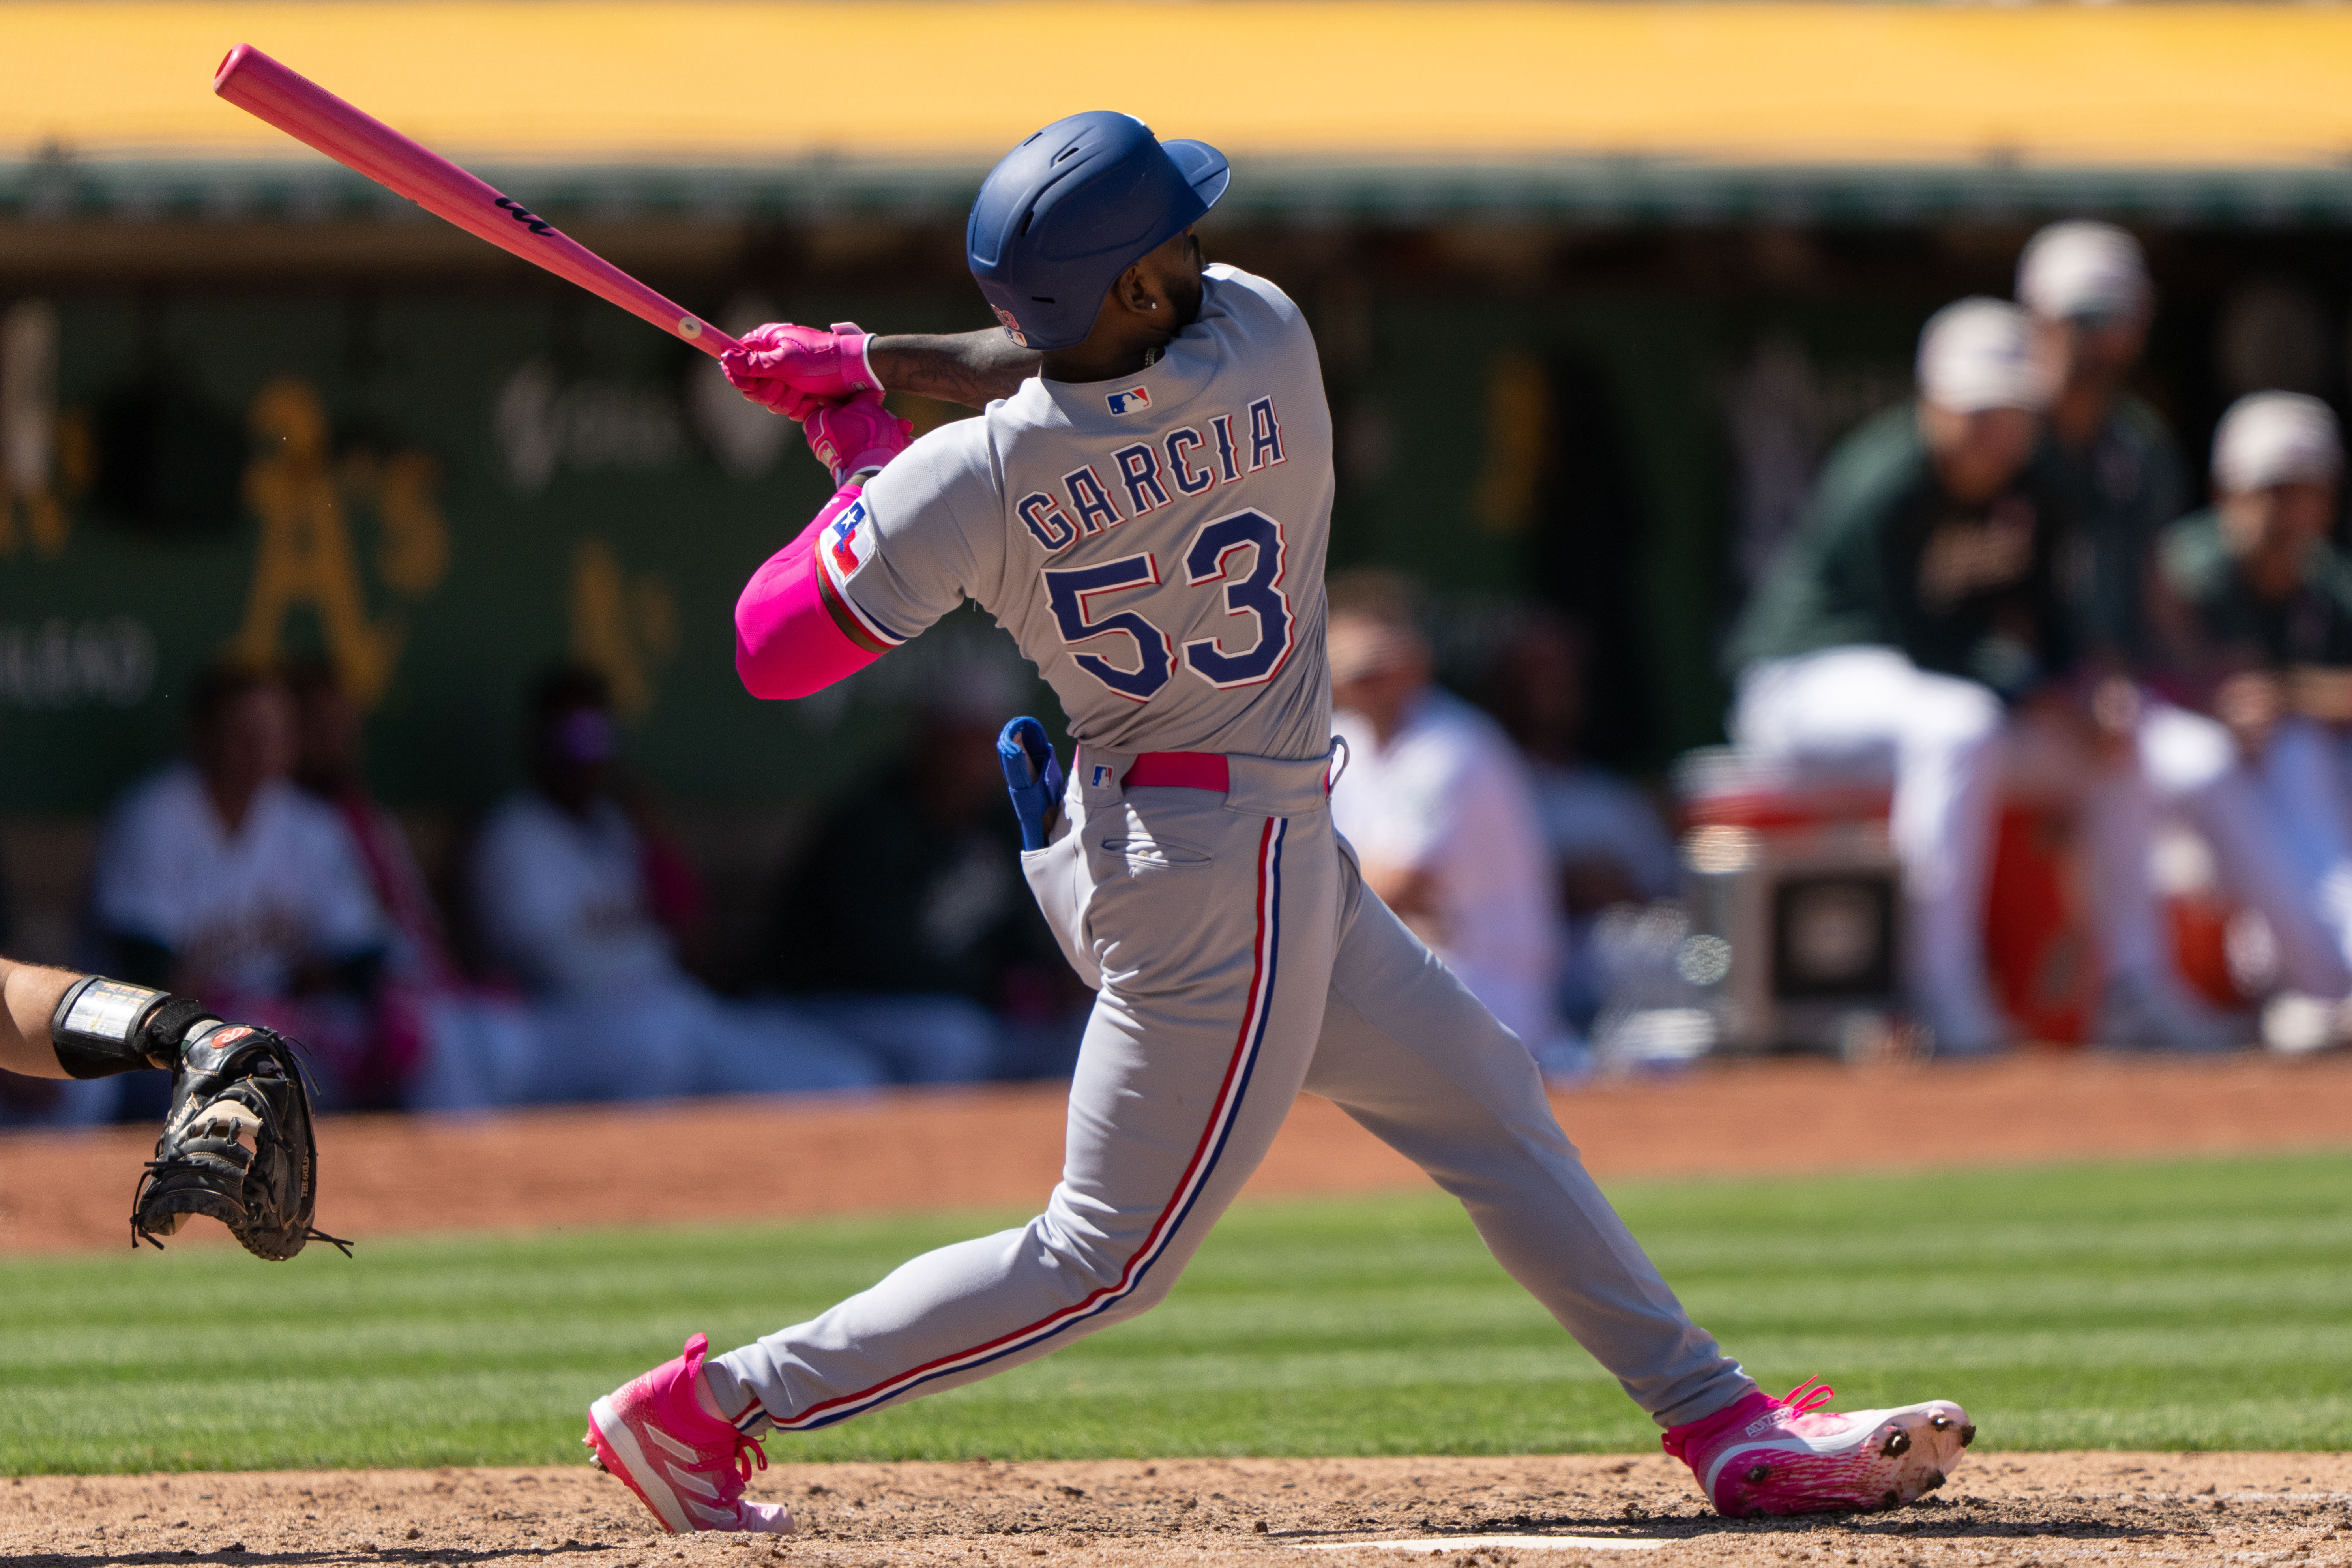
x=1179, y=770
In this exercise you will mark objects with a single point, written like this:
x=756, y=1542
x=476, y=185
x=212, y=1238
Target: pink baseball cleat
x=683, y=1462
x=1761, y=1455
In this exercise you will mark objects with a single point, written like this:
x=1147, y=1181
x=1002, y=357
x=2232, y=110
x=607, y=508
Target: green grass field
x=2204, y=1305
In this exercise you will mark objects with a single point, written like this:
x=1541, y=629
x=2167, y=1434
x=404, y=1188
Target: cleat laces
x=749, y=1455
x=1807, y=1398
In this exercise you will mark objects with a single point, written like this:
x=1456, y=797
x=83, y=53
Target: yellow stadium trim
x=693, y=81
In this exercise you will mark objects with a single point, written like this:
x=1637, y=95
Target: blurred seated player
x=1439, y=809
x=1608, y=843
x=328, y=744
x=218, y=878
x=565, y=907
x=2115, y=468
x=906, y=925
x=1916, y=616
x=2265, y=633
x=420, y=975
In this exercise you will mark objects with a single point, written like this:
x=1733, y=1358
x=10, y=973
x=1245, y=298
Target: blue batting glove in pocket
x=1032, y=776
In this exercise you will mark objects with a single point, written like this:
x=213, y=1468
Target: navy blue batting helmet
x=1073, y=206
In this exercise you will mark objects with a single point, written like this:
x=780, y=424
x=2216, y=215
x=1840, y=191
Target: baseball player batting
x=1145, y=505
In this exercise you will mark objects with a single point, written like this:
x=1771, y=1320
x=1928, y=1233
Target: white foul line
x=1488, y=1543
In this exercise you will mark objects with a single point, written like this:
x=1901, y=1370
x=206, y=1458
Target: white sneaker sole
x=1892, y=1458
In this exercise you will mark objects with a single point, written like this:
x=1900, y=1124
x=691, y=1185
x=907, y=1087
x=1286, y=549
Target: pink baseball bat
x=309, y=114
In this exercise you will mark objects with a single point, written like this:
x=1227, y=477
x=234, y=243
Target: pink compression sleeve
x=788, y=642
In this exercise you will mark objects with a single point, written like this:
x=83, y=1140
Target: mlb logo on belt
x=1132, y=399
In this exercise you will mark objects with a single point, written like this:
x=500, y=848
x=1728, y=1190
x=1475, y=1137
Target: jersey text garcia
x=1190, y=459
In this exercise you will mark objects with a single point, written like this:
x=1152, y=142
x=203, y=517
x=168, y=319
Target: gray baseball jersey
x=1155, y=544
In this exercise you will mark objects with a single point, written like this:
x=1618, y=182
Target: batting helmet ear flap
x=1070, y=209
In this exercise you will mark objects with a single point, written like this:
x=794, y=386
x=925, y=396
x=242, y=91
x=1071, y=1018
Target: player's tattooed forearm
x=971, y=368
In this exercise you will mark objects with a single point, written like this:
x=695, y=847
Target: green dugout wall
x=443, y=490
x=445, y=482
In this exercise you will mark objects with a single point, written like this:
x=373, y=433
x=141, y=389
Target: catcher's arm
x=238, y=1145
x=29, y=995
x=57, y=1024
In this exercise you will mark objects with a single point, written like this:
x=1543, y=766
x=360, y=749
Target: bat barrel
x=310, y=114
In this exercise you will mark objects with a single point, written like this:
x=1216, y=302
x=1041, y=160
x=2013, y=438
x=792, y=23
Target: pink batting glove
x=789, y=369
x=855, y=437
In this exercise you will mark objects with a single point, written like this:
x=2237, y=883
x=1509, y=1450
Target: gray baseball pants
x=1239, y=960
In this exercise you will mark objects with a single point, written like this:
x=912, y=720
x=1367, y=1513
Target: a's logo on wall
x=623, y=625
x=309, y=559
x=1132, y=400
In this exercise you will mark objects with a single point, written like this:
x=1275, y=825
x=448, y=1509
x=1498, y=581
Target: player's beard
x=1185, y=295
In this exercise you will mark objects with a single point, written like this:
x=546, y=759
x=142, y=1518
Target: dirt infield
x=1001, y=1147
x=2010, y=1511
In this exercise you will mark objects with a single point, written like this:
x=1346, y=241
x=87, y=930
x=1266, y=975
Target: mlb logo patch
x=1130, y=400
x=1102, y=776
x=848, y=541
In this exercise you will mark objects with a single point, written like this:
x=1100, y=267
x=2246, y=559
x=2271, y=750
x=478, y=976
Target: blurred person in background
x=2107, y=454
x=1913, y=600
x=563, y=901
x=1608, y=845
x=327, y=766
x=1917, y=616
x=906, y=925
x=328, y=750
x=2264, y=643
x=1439, y=809
x=2118, y=474
x=218, y=878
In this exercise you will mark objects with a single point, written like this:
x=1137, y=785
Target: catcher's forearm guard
x=103, y=1026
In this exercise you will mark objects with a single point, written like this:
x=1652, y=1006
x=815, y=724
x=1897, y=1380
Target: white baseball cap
x=2070, y=270
x=2276, y=438
x=1979, y=353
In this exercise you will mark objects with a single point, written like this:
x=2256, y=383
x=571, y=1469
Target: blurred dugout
x=1985, y=602
x=1596, y=298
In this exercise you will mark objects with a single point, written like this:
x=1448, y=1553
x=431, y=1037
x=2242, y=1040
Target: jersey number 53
x=1210, y=558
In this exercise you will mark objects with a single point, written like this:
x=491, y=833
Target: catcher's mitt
x=237, y=1146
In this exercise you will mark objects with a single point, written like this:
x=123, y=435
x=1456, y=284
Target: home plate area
x=2000, y=1509
x=1441, y=1545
